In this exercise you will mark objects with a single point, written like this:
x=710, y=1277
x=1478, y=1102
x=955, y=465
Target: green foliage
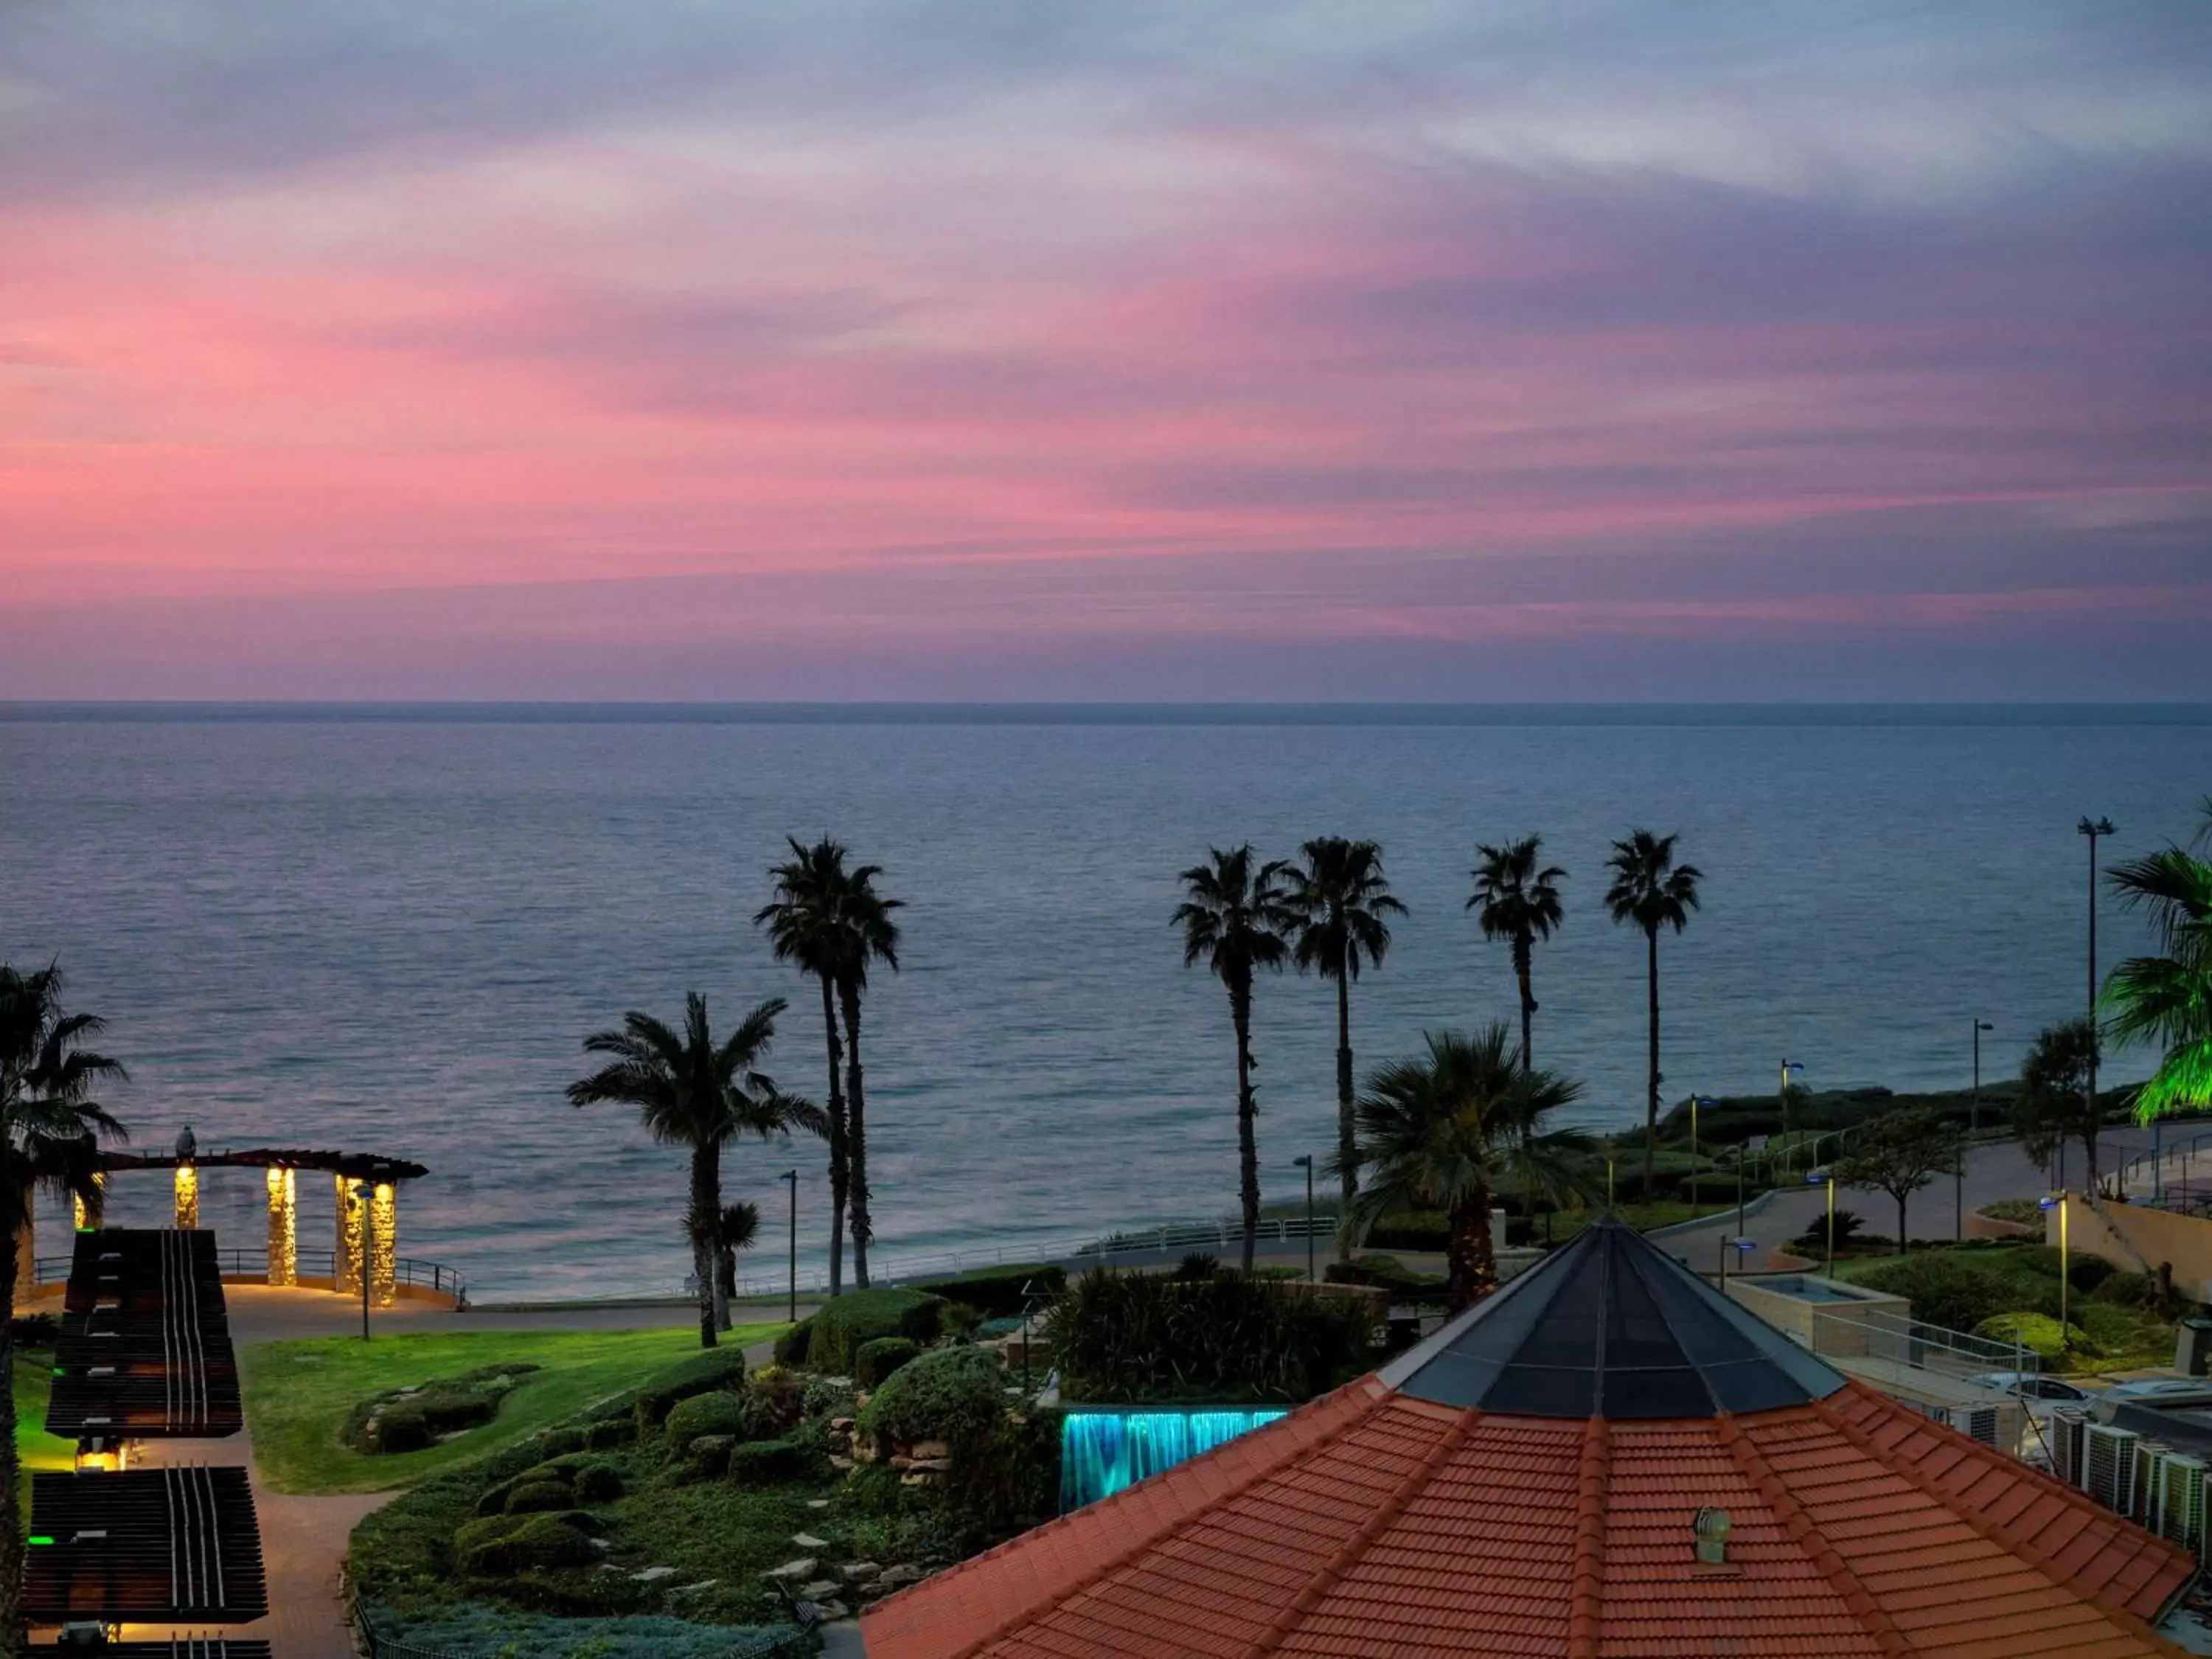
x=792, y=1347
x=878, y=1359
x=1410, y=1230
x=599, y=1483
x=1387, y=1273
x=609, y=1433
x=996, y=1293
x=1951, y=1290
x=845, y=1322
x=2039, y=1333
x=2128, y=1290
x=2015, y=1209
x=1197, y=1265
x=475, y=1628
x=2084, y=1273
x=1006, y=1481
x=775, y=1399
x=1815, y=1239
x=702, y=1373
x=763, y=1463
x=1898, y=1153
x=532, y=1497
x=1121, y=1338
x=558, y=1441
x=705, y=1414
x=952, y=1395
x=501, y=1546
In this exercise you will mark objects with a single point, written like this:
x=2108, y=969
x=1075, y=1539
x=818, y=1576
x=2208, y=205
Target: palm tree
x=806, y=928
x=687, y=1089
x=2167, y=999
x=1338, y=902
x=740, y=1226
x=1447, y=1131
x=871, y=936
x=1653, y=891
x=50, y=1130
x=1233, y=919
x=1516, y=900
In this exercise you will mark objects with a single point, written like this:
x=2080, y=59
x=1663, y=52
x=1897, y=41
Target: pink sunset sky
x=1473, y=350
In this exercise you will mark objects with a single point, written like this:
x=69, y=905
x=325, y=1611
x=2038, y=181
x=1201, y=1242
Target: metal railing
x=2145, y=1182
x=1895, y=1340
x=236, y=1261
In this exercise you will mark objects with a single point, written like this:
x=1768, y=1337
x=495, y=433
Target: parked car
x=2162, y=1391
x=2031, y=1386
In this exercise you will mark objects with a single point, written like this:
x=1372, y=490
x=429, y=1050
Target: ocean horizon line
x=1101, y=713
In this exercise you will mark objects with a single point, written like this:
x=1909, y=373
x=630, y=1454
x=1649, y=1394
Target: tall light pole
x=1305, y=1163
x=1791, y=1068
x=1696, y=1101
x=1813, y=1178
x=791, y=1176
x=2101, y=827
x=1974, y=1100
x=2057, y=1201
x=358, y=1192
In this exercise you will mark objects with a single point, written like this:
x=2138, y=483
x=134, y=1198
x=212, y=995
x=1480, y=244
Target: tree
x=871, y=937
x=50, y=1130
x=1340, y=903
x=1233, y=919
x=739, y=1228
x=2167, y=999
x=1448, y=1130
x=808, y=929
x=1651, y=890
x=1898, y=1153
x=686, y=1088
x=1518, y=902
x=2054, y=1104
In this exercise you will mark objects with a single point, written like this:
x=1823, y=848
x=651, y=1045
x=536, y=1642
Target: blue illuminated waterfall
x=1103, y=1451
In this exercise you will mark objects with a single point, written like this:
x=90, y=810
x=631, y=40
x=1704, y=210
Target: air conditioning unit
x=2069, y=1426
x=2108, y=1466
x=2177, y=1511
x=2150, y=1457
x=1981, y=1423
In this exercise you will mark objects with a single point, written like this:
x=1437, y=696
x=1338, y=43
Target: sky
x=1547, y=350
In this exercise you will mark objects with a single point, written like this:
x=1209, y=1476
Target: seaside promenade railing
x=246, y=1262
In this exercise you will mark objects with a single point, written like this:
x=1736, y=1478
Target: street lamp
x=1696, y=1101
x=1741, y=1246
x=1974, y=1100
x=357, y=1192
x=1305, y=1163
x=2101, y=827
x=2057, y=1201
x=791, y=1176
x=1813, y=1178
x=1791, y=1068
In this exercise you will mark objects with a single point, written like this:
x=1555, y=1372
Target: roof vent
x=1712, y=1527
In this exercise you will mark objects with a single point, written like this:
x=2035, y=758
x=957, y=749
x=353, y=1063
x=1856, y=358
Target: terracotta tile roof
x=1374, y=1522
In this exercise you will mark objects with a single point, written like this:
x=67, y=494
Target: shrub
x=791, y=1348
x=2039, y=1334
x=1387, y=1273
x=879, y=1359
x=704, y=1413
x=824, y=1396
x=702, y=1373
x=1949, y=1290
x=845, y=1322
x=537, y=1497
x=1199, y=1264
x=506, y=1545
x=1815, y=1239
x=1126, y=1337
x=2085, y=1273
x=958, y=1322
x=766, y=1462
x=397, y=1429
x=557, y=1442
x=2128, y=1290
x=615, y=1432
x=998, y=1293
x=952, y=1395
x=1413, y=1230
x=775, y=1399
x=599, y=1483
x=34, y=1330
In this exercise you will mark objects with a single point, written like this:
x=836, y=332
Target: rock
x=652, y=1575
x=841, y=1426
x=820, y=1589
x=693, y=1589
x=832, y=1608
x=603, y=1545
x=841, y=1464
x=802, y=1568
x=807, y=1540
x=912, y=1479
x=930, y=1465
x=900, y=1461
x=856, y=1570
x=840, y=1382
x=817, y=1502
x=893, y=1577
x=929, y=1448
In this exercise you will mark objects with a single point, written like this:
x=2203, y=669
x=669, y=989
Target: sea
x=390, y=928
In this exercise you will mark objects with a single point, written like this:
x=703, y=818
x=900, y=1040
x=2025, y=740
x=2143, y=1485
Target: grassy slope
x=40, y=1452
x=298, y=1394
x=2130, y=1339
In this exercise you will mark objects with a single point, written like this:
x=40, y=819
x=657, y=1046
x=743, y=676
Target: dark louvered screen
x=174, y=1544
x=187, y=1647
x=144, y=1347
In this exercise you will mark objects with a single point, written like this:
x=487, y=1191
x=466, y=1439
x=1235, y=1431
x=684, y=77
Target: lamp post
x=1741, y=1246
x=1791, y=1068
x=2057, y=1201
x=1696, y=1101
x=791, y=1176
x=1305, y=1163
x=2101, y=827
x=1974, y=1100
x=1813, y=1178
x=358, y=1192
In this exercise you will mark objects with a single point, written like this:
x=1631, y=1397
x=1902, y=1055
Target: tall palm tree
x=739, y=1228
x=1448, y=1130
x=1653, y=891
x=1516, y=902
x=49, y=1129
x=686, y=1088
x=871, y=936
x=1233, y=919
x=1340, y=903
x=2167, y=999
x=807, y=927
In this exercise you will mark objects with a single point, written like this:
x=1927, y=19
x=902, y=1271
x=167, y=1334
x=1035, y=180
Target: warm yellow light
x=345, y=1275
x=283, y=1227
x=384, y=1251
x=188, y=1195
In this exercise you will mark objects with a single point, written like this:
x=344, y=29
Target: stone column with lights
x=188, y=1179
x=283, y=1226
x=345, y=1255
x=384, y=1245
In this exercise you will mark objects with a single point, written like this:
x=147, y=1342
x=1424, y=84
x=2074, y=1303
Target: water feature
x=1103, y=1451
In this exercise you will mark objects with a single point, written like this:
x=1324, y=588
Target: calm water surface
x=391, y=932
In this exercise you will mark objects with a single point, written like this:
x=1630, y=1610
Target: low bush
x=705, y=1414
x=2128, y=1290
x=614, y=1432
x=765, y=1462
x=1410, y=1230
x=845, y=1322
x=952, y=1395
x=1851, y=1228
x=703, y=1373
x=1387, y=1273
x=792, y=1347
x=599, y=1483
x=394, y=1429
x=2027, y=1210
x=775, y=1399
x=556, y=1442
x=1953, y=1291
x=2085, y=1273
x=502, y=1545
x=1121, y=1338
x=2039, y=1334
x=408, y=1419
x=878, y=1360
x=998, y=1293
x=537, y=1497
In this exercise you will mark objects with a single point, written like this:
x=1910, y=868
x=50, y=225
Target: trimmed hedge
x=2039, y=1334
x=504, y=1545
x=703, y=1373
x=997, y=1294
x=952, y=1395
x=536, y=1497
x=615, y=1432
x=705, y=1414
x=765, y=1462
x=844, y=1323
x=1951, y=1290
x=792, y=1346
x=879, y=1359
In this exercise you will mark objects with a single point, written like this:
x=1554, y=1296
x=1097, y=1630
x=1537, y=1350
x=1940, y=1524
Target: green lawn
x=38, y=1451
x=298, y=1394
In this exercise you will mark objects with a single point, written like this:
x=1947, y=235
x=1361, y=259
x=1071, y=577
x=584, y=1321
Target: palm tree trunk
x=1520, y=972
x=1902, y=1247
x=700, y=1224
x=1651, y=1095
x=11, y=1513
x=1470, y=1253
x=856, y=1137
x=1346, y=1147
x=840, y=1171
x=1248, y=1114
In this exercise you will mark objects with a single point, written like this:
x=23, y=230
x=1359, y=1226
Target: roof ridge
x=1586, y=1602
x=1800, y=1526
x=1114, y=1559
x=2043, y=1561
x=1386, y=1514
